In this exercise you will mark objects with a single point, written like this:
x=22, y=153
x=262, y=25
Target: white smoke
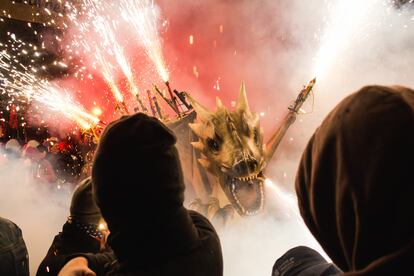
x=380, y=51
x=38, y=208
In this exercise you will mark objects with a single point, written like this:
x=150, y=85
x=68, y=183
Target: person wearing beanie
x=13, y=148
x=354, y=183
x=80, y=233
x=139, y=188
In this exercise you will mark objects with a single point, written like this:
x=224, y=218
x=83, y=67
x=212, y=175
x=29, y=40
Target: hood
x=355, y=185
x=138, y=186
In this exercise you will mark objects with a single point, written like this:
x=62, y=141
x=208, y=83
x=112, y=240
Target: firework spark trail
x=143, y=17
x=346, y=22
x=107, y=33
x=107, y=73
x=97, y=38
x=26, y=85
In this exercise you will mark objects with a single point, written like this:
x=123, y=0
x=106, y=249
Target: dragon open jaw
x=246, y=193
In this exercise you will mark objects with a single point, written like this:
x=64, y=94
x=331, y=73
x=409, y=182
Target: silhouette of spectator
x=354, y=183
x=80, y=233
x=139, y=188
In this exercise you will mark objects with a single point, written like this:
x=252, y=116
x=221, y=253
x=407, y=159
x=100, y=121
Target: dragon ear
x=202, y=112
x=242, y=103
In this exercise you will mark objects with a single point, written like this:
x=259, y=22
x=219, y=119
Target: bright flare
x=345, y=22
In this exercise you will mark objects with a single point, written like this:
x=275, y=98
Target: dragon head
x=231, y=143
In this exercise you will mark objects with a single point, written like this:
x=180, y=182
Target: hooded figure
x=355, y=183
x=139, y=188
x=80, y=233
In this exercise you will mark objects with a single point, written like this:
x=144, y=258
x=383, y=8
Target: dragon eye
x=256, y=136
x=213, y=144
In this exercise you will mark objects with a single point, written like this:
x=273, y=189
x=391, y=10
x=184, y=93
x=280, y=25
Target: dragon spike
x=202, y=112
x=204, y=162
x=255, y=119
x=198, y=145
x=242, y=103
x=202, y=130
x=219, y=103
x=198, y=129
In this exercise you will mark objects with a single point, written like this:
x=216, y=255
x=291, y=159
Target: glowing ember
x=97, y=111
x=195, y=71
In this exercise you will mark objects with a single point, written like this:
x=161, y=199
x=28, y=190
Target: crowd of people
x=353, y=189
x=52, y=160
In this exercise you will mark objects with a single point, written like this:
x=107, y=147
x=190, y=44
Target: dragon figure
x=224, y=157
x=222, y=152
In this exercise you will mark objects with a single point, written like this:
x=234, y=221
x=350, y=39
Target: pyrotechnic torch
x=303, y=95
x=168, y=101
x=121, y=107
x=173, y=99
x=152, y=105
x=141, y=104
x=181, y=96
x=289, y=119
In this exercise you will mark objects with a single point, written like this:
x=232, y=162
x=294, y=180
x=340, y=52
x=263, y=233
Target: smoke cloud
x=39, y=209
x=272, y=46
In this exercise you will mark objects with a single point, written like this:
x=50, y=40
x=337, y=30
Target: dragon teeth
x=248, y=178
x=233, y=192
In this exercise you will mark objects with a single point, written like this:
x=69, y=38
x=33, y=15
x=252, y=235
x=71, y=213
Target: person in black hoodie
x=80, y=233
x=139, y=188
x=354, y=184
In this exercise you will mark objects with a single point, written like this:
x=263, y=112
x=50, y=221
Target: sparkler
x=143, y=17
x=21, y=82
x=104, y=29
x=103, y=49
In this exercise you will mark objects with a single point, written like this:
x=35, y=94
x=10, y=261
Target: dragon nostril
x=241, y=168
x=245, y=166
x=252, y=163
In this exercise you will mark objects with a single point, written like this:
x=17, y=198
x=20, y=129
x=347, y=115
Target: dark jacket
x=14, y=259
x=303, y=261
x=201, y=260
x=355, y=182
x=72, y=240
x=80, y=234
x=138, y=185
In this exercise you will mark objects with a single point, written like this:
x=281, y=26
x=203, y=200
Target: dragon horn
x=242, y=103
x=202, y=111
x=219, y=103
